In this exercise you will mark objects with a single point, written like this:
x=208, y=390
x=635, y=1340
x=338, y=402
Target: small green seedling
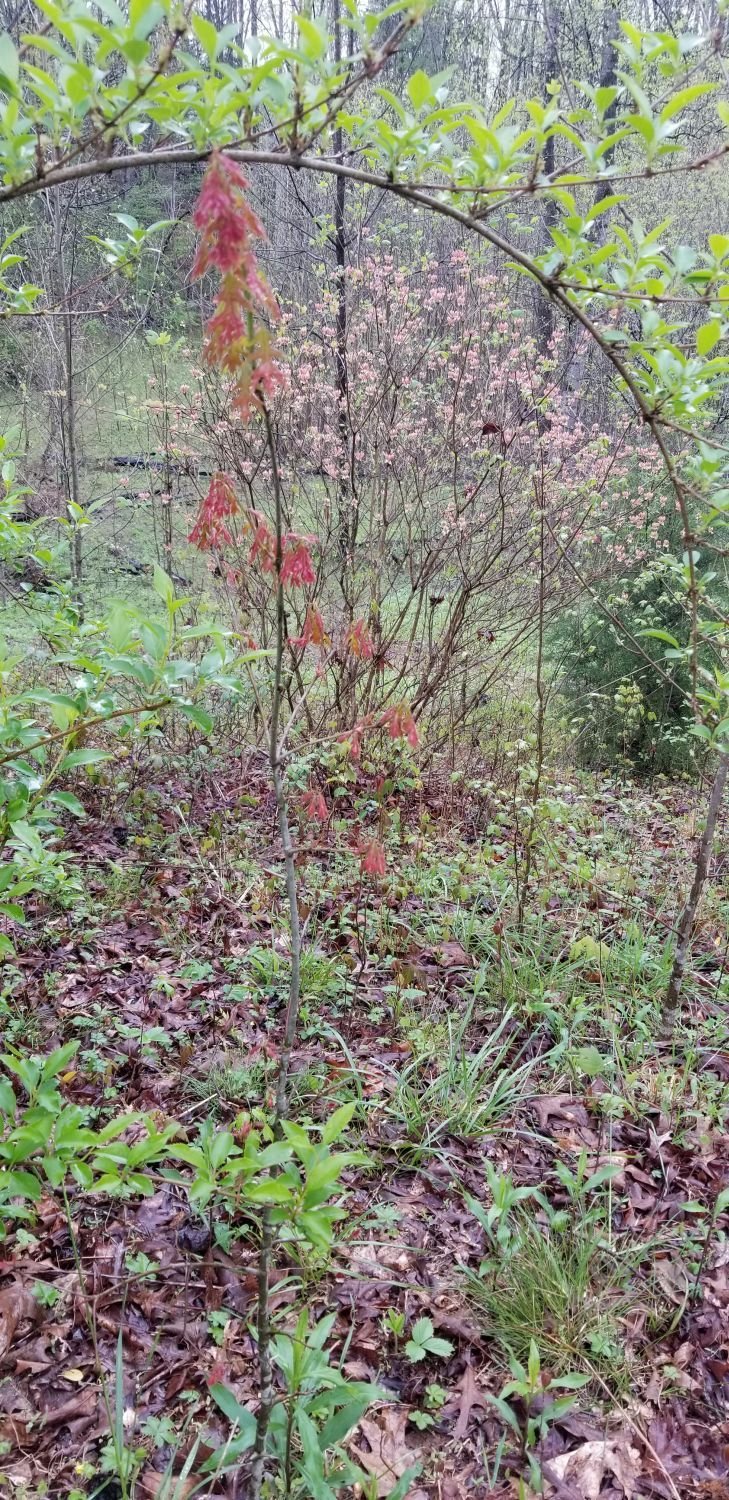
x=422, y=1342
x=393, y=1322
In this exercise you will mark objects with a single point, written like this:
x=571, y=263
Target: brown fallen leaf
x=13, y=1399
x=470, y=1396
x=672, y=1279
x=558, y=1106
x=152, y=1485
x=17, y=1305
x=585, y=1467
x=82, y=1404
x=389, y=1454
x=452, y=955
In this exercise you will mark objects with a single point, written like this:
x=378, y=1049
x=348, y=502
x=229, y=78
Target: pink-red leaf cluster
x=210, y=530
x=237, y=342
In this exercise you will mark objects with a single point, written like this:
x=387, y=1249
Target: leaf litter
x=161, y=1002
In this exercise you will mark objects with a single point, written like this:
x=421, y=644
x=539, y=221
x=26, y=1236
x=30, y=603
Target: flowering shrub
x=238, y=346
x=456, y=431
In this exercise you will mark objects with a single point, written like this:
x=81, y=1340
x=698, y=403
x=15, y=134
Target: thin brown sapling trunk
x=275, y=754
x=66, y=398
x=541, y=710
x=550, y=215
x=71, y=465
x=347, y=507
x=166, y=499
x=688, y=915
x=346, y=538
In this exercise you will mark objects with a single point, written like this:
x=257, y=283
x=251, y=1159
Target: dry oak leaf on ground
x=389, y=1454
x=17, y=1305
x=585, y=1467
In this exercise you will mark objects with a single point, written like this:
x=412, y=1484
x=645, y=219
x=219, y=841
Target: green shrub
x=622, y=710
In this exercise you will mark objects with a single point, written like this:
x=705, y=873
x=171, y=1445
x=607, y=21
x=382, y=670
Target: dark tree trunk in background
x=608, y=80
x=346, y=518
x=578, y=374
x=545, y=318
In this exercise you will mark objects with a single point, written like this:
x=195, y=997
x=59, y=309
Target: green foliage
x=124, y=673
x=182, y=79
x=292, y=1179
x=539, y=1402
x=451, y=1090
x=309, y=1428
x=88, y=87
x=558, y=1286
x=46, y=1143
x=423, y=1341
x=627, y=706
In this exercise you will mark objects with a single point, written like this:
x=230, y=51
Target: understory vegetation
x=364, y=739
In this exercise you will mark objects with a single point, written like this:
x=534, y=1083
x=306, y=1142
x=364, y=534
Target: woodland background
x=434, y=885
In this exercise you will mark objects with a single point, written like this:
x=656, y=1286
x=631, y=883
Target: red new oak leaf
x=372, y=859
x=263, y=545
x=297, y=567
x=236, y=340
x=314, y=632
x=359, y=641
x=220, y=503
x=314, y=805
x=352, y=738
x=400, y=724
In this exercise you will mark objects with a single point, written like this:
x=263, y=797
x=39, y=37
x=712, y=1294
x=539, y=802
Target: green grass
x=125, y=531
x=230, y=1081
x=450, y=1090
x=562, y=1290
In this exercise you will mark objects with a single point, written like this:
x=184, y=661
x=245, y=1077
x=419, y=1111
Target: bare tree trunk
x=63, y=292
x=545, y=320
x=688, y=915
x=166, y=498
x=71, y=465
x=577, y=376
x=347, y=516
x=608, y=80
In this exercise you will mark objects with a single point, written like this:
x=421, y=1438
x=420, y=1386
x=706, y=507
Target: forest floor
x=481, y=1061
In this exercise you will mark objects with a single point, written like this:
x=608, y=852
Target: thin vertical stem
x=688, y=915
x=167, y=496
x=67, y=407
x=275, y=751
x=541, y=710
